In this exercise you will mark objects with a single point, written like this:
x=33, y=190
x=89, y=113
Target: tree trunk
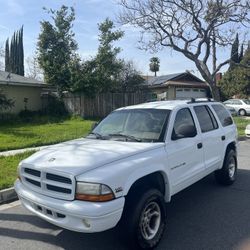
x=215, y=91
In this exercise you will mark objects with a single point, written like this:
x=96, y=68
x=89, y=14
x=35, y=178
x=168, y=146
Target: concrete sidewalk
x=19, y=151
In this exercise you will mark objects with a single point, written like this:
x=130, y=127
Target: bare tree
x=191, y=27
x=33, y=69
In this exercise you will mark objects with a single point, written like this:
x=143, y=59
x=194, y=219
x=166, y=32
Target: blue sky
x=14, y=14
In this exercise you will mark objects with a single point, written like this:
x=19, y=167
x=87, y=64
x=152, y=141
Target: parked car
x=242, y=106
x=247, y=130
x=231, y=110
x=125, y=170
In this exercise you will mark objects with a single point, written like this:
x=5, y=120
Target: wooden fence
x=102, y=104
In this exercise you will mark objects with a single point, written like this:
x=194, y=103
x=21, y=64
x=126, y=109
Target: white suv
x=132, y=162
x=241, y=106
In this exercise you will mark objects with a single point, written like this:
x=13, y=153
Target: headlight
x=93, y=192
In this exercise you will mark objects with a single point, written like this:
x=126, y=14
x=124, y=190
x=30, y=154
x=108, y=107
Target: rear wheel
x=242, y=112
x=227, y=175
x=144, y=220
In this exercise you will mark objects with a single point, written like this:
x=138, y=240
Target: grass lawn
x=40, y=132
x=241, y=124
x=8, y=168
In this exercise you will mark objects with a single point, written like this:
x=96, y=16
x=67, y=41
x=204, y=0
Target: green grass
x=42, y=131
x=8, y=168
x=241, y=124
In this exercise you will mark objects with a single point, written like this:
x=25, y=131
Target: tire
x=242, y=112
x=228, y=173
x=144, y=219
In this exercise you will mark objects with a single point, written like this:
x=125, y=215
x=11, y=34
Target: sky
x=29, y=13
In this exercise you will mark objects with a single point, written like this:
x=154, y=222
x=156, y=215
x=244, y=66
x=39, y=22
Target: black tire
x=228, y=173
x=242, y=112
x=134, y=219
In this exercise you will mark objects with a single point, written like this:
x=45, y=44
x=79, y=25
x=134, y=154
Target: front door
x=184, y=151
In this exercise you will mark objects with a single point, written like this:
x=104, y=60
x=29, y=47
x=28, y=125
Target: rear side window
x=224, y=116
x=206, y=118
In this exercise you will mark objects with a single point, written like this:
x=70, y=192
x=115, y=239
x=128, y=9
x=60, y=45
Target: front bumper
x=80, y=216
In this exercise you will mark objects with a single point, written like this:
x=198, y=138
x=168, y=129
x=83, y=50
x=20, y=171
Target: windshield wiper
x=97, y=135
x=131, y=137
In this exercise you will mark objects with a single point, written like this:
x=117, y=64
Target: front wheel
x=227, y=175
x=145, y=219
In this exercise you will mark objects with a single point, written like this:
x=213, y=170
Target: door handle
x=223, y=138
x=199, y=145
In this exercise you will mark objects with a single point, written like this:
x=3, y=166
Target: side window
x=236, y=102
x=183, y=125
x=224, y=116
x=206, y=118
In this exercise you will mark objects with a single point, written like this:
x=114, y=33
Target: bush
x=55, y=106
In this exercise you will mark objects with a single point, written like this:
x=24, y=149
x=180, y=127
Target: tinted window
x=224, y=116
x=206, y=119
x=183, y=118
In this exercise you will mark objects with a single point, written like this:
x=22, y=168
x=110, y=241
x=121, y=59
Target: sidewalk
x=19, y=151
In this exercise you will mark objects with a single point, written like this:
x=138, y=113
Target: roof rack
x=198, y=100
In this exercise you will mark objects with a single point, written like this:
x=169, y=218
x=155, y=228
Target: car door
x=212, y=137
x=184, y=152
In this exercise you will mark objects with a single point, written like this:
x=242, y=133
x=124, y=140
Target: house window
x=187, y=90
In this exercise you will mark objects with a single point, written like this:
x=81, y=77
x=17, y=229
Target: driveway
x=204, y=216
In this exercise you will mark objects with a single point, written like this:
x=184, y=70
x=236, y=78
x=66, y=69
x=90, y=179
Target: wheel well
x=231, y=145
x=154, y=180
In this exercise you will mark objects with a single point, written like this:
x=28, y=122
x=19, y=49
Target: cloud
x=15, y=7
x=2, y=27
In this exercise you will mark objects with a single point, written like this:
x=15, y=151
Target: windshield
x=133, y=124
x=246, y=101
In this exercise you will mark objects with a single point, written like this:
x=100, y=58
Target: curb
x=8, y=195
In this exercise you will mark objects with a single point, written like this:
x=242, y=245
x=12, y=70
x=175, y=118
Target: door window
x=184, y=125
x=206, y=118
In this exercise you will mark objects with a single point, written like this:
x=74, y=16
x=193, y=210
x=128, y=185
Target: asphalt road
x=204, y=216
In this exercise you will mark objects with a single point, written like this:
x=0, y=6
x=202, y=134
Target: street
x=204, y=216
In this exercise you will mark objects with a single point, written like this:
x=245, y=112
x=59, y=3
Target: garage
x=187, y=93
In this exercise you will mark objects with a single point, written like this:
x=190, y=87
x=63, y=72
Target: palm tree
x=154, y=65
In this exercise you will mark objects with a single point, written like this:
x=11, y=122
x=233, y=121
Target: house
x=178, y=86
x=25, y=92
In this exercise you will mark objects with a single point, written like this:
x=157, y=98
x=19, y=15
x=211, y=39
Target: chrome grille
x=54, y=184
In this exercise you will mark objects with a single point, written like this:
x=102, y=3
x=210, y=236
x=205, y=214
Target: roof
x=165, y=104
x=7, y=78
x=184, y=78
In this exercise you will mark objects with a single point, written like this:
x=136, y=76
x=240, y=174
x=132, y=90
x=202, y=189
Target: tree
x=241, y=53
x=188, y=27
x=129, y=78
x=7, y=56
x=108, y=67
x=236, y=81
x=14, y=54
x=56, y=47
x=154, y=65
x=5, y=103
x=235, y=52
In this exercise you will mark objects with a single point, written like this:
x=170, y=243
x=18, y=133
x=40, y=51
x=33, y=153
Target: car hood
x=81, y=155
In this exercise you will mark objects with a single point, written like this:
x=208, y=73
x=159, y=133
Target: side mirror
x=184, y=131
